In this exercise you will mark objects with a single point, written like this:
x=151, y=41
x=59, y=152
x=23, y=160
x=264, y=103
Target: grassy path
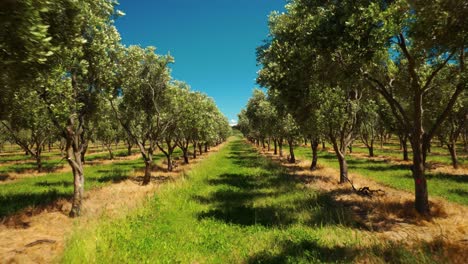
x=234, y=207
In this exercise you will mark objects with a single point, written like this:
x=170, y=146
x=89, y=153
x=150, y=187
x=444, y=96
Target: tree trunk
x=186, y=158
x=275, y=146
x=324, y=147
x=314, y=145
x=109, y=149
x=268, y=143
x=465, y=141
x=421, y=194
x=38, y=162
x=200, y=148
x=343, y=168
x=82, y=154
x=147, y=177
x=371, y=148
x=75, y=162
x=350, y=147
x=404, y=144
x=453, y=154
x=78, y=192
x=129, y=148
x=169, y=162
x=419, y=144
x=111, y=154
x=194, y=150
x=292, y=158
x=280, y=144
x=206, y=147
x=340, y=154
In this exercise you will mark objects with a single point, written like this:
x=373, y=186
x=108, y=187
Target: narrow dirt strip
x=390, y=214
x=41, y=238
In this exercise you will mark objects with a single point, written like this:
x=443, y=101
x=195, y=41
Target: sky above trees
x=213, y=41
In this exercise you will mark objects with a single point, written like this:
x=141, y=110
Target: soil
x=389, y=214
x=39, y=235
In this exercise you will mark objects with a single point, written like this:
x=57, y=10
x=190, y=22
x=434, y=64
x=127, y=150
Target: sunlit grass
x=234, y=207
x=43, y=190
x=451, y=187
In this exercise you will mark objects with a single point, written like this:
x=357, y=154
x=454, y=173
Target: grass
x=437, y=155
x=451, y=187
x=50, y=161
x=235, y=207
x=44, y=190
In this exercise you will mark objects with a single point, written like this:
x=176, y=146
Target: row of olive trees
x=340, y=68
x=64, y=69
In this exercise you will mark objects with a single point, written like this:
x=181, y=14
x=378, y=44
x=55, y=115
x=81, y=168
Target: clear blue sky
x=213, y=41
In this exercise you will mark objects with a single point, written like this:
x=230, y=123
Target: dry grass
x=391, y=215
x=9, y=177
x=38, y=235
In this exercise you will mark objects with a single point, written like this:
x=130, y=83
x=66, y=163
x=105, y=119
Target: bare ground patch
x=390, y=215
x=38, y=235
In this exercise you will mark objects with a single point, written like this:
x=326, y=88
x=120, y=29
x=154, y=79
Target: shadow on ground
x=267, y=195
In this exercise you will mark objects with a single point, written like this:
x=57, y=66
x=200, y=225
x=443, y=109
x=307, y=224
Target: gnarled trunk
x=340, y=154
x=74, y=160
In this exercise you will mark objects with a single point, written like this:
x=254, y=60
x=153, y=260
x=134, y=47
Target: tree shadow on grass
x=45, y=192
x=304, y=251
x=32, y=167
x=271, y=197
x=62, y=183
x=4, y=177
x=10, y=204
x=311, y=251
x=460, y=192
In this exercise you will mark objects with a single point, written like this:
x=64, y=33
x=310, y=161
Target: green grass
x=451, y=187
x=51, y=161
x=437, y=155
x=234, y=207
x=43, y=190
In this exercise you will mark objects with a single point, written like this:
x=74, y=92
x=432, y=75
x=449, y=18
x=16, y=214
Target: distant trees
x=27, y=125
x=64, y=69
x=345, y=58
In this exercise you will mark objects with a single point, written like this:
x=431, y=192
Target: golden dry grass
x=49, y=226
x=391, y=215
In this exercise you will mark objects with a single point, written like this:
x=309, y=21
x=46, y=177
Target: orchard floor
x=238, y=206
x=40, y=235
